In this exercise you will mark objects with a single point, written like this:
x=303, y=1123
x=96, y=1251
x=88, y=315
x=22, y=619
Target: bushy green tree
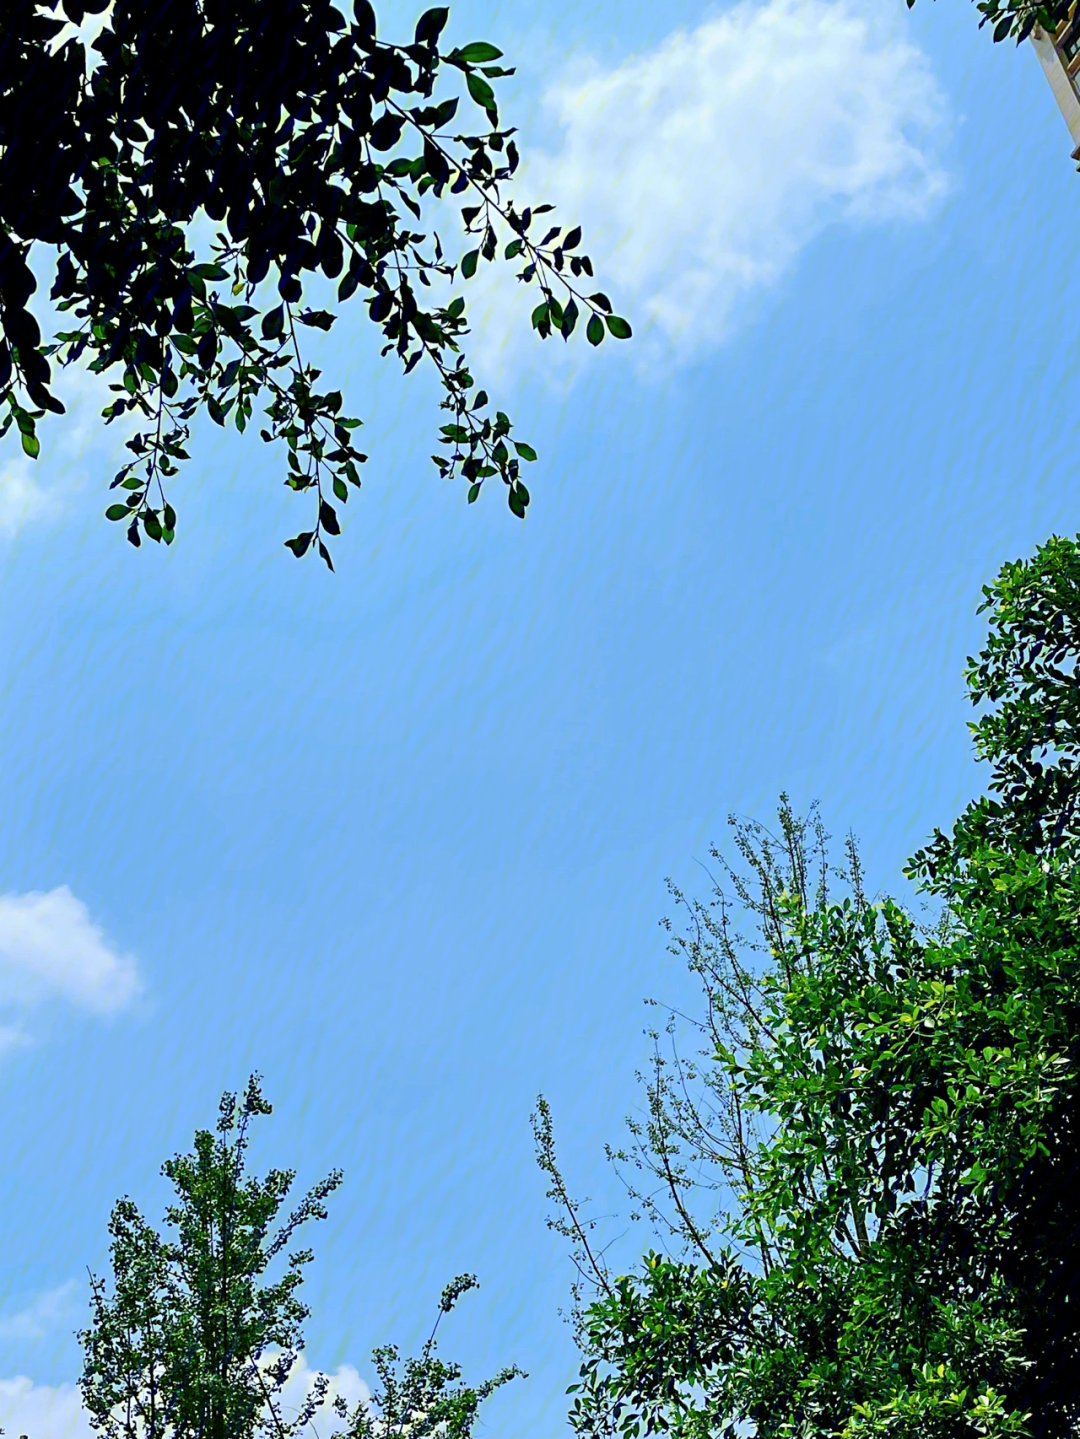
x=200, y=1329
x=200, y=171
x=866, y=1182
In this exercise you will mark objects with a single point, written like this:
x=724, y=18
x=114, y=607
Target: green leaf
x=117, y=512
x=31, y=444
x=595, y=330
x=469, y=264
x=430, y=25
x=481, y=91
x=445, y=112
x=474, y=490
x=478, y=53
x=619, y=327
x=299, y=543
x=318, y=319
x=273, y=323
x=525, y=451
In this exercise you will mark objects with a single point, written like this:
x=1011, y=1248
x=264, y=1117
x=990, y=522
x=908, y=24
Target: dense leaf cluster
x=867, y=1182
x=1026, y=683
x=203, y=167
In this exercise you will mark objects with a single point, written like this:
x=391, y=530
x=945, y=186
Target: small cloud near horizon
x=46, y=1411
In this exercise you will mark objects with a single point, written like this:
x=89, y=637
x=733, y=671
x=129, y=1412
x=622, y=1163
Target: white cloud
x=702, y=169
x=45, y=1412
x=39, y=491
x=42, y=1411
x=49, y=945
x=22, y=499
x=48, y=1310
x=12, y=1037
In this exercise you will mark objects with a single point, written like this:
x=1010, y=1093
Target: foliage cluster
x=198, y=1333
x=316, y=149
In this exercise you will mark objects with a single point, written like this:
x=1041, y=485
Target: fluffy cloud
x=22, y=499
x=48, y=1310
x=12, y=1037
x=45, y=1412
x=702, y=169
x=40, y=491
x=42, y=1411
x=49, y=945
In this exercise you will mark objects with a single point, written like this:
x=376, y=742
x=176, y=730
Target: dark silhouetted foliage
x=203, y=167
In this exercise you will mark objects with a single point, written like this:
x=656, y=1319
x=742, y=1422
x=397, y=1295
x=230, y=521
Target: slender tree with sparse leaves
x=200, y=1329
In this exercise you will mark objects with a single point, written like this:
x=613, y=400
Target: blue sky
x=398, y=837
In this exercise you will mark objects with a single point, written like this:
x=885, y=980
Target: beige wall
x=1060, y=83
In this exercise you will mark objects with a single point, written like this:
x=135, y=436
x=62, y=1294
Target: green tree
x=206, y=177
x=200, y=1330
x=865, y=1182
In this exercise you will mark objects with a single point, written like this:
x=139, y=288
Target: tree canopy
x=202, y=170
x=864, y=1185
x=201, y=1328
